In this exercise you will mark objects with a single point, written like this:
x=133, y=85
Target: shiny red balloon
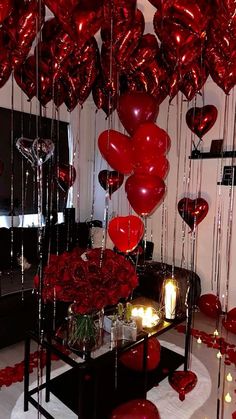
x=116, y=150
x=158, y=166
x=201, y=120
x=136, y=409
x=110, y=180
x=148, y=143
x=193, y=211
x=183, y=382
x=5, y=9
x=66, y=175
x=135, y=108
x=133, y=358
x=230, y=322
x=210, y=305
x=144, y=193
x=126, y=232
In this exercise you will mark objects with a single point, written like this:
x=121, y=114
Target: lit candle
x=228, y=398
x=216, y=333
x=219, y=355
x=148, y=316
x=229, y=377
x=199, y=340
x=170, y=300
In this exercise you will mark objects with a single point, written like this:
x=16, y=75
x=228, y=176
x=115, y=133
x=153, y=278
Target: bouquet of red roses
x=93, y=279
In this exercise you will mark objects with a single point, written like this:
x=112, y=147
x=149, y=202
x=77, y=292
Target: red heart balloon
x=210, y=305
x=158, y=166
x=230, y=325
x=116, y=150
x=133, y=358
x=110, y=180
x=134, y=108
x=144, y=193
x=66, y=175
x=193, y=211
x=5, y=9
x=231, y=315
x=136, y=409
x=183, y=382
x=126, y=232
x=201, y=120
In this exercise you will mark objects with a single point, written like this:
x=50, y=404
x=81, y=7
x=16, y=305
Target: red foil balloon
x=5, y=9
x=201, y=120
x=126, y=232
x=144, y=193
x=183, y=382
x=110, y=180
x=134, y=108
x=116, y=150
x=158, y=166
x=133, y=358
x=193, y=211
x=230, y=322
x=66, y=175
x=136, y=409
x=210, y=305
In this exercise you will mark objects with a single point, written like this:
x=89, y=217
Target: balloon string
x=12, y=174
x=94, y=165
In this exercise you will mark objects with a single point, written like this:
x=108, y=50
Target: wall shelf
x=196, y=154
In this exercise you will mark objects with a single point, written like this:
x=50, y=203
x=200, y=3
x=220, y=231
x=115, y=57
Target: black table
x=92, y=387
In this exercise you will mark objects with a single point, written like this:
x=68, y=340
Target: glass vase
x=85, y=331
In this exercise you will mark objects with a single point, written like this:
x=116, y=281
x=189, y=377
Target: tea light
x=148, y=316
x=228, y=398
x=219, y=355
x=229, y=377
x=216, y=333
x=170, y=299
x=199, y=340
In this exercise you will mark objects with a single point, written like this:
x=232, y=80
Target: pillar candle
x=170, y=300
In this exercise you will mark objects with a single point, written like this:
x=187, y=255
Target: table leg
x=26, y=374
x=48, y=374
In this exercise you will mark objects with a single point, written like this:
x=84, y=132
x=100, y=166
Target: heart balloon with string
x=126, y=232
x=110, y=180
x=201, y=120
x=183, y=382
x=24, y=145
x=66, y=175
x=193, y=211
x=42, y=150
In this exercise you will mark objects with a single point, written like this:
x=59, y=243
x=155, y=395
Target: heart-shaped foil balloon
x=42, y=150
x=110, y=180
x=201, y=120
x=66, y=175
x=126, y=232
x=193, y=211
x=183, y=382
x=24, y=145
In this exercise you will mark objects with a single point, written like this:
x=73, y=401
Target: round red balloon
x=136, y=409
x=116, y=150
x=126, y=232
x=133, y=358
x=144, y=193
x=230, y=322
x=148, y=143
x=210, y=305
x=135, y=108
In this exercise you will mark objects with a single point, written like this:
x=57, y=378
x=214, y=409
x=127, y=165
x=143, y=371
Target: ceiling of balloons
x=192, y=40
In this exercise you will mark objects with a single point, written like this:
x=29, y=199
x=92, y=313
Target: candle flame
x=219, y=355
x=229, y=377
x=199, y=340
x=148, y=316
x=228, y=398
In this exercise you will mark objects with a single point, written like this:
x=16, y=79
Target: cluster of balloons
x=141, y=156
x=194, y=38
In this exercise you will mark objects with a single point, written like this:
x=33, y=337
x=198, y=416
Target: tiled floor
x=206, y=355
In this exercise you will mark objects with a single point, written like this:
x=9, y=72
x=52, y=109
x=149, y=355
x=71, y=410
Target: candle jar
x=170, y=298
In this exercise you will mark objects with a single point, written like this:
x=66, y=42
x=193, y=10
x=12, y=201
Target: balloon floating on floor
x=210, y=305
x=183, y=382
x=110, y=180
x=133, y=358
x=230, y=322
x=193, y=211
x=201, y=120
x=136, y=409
